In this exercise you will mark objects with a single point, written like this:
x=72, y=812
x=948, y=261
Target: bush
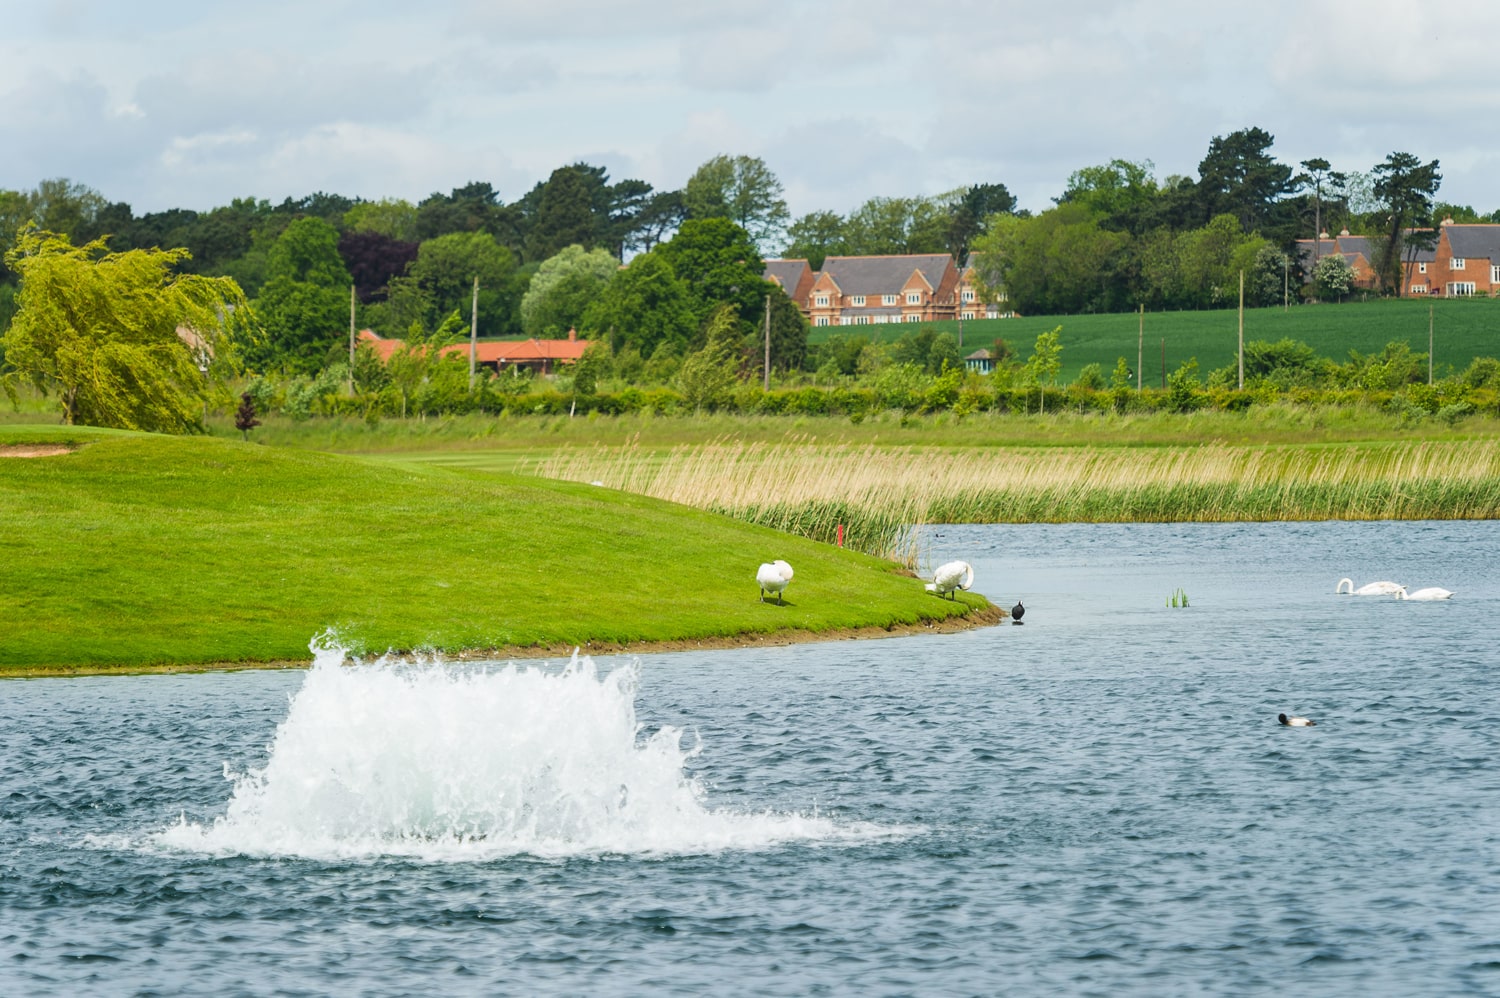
x=901, y=386
x=1183, y=394
x=1091, y=378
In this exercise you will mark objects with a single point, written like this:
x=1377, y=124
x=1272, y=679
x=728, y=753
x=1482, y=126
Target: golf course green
x=132, y=551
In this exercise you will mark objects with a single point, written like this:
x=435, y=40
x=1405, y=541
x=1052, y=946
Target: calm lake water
x=1099, y=801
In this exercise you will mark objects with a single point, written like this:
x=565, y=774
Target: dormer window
x=914, y=298
x=1458, y=263
x=968, y=296
x=822, y=301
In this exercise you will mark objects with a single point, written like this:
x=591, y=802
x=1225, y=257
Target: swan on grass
x=1430, y=593
x=773, y=578
x=1369, y=589
x=954, y=575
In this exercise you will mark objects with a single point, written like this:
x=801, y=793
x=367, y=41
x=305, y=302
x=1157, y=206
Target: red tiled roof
x=491, y=352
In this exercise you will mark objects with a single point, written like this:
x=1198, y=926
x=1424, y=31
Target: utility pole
x=1242, y=330
x=473, y=331
x=1429, y=344
x=767, y=371
x=1164, y=362
x=351, y=339
x=1140, y=351
x=1286, y=284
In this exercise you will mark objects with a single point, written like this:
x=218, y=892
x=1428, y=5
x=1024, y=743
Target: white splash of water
x=438, y=762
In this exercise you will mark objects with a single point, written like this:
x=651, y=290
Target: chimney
x=572, y=335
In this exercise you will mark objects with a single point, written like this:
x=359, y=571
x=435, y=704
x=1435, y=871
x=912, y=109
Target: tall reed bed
x=880, y=494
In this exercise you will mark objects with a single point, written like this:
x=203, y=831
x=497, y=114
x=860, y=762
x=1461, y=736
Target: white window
x=821, y=320
x=914, y=298
x=1458, y=263
x=1495, y=275
x=1421, y=268
x=1460, y=288
x=968, y=315
x=822, y=301
x=887, y=299
x=859, y=300
x=968, y=296
x=861, y=320
x=846, y=321
x=1419, y=289
x=913, y=318
x=881, y=320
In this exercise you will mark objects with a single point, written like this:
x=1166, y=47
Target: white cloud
x=845, y=99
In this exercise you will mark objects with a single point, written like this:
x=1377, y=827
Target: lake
x=1098, y=801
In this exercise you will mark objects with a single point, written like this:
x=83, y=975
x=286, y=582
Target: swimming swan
x=1430, y=593
x=773, y=578
x=1372, y=589
x=1296, y=722
x=954, y=575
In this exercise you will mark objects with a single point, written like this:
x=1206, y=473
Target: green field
x=1464, y=328
x=139, y=550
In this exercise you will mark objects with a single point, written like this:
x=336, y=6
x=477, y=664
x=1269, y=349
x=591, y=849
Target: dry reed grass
x=880, y=493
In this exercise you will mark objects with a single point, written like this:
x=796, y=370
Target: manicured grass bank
x=139, y=550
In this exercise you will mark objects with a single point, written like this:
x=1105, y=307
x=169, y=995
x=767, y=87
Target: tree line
x=555, y=259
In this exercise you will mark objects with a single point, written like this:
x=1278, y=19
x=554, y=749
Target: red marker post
x=841, y=535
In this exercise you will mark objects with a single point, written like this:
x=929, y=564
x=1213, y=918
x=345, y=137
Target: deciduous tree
x=708, y=375
x=1045, y=362
x=742, y=189
x=719, y=263
x=101, y=331
x=445, y=269
x=644, y=305
x=563, y=288
x=304, y=304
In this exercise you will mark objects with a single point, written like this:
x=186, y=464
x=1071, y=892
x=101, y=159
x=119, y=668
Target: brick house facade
x=1464, y=262
x=876, y=290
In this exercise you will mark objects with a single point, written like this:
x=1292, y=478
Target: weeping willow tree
x=120, y=339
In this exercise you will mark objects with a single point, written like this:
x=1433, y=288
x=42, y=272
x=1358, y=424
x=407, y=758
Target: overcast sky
x=191, y=103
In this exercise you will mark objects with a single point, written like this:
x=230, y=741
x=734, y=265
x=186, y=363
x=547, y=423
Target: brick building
x=1465, y=261
x=876, y=290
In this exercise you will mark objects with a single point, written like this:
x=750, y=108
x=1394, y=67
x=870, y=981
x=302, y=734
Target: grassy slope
x=1463, y=329
x=520, y=444
x=142, y=549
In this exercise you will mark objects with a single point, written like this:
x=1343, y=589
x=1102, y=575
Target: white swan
x=773, y=578
x=1371, y=589
x=1296, y=722
x=1430, y=593
x=954, y=575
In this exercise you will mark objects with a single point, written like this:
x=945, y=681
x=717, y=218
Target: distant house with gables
x=1464, y=261
x=877, y=290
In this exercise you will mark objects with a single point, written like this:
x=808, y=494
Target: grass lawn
x=509, y=443
x=139, y=550
x=1464, y=328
